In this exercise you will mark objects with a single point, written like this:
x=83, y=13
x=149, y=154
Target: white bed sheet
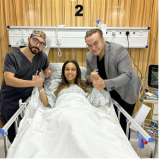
x=73, y=129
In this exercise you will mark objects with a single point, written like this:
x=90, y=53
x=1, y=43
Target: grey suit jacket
x=121, y=77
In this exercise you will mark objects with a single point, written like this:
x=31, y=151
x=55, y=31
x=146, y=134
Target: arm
x=16, y=82
x=123, y=70
x=42, y=95
x=94, y=78
x=47, y=72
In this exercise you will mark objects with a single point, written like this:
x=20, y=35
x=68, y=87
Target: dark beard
x=33, y=52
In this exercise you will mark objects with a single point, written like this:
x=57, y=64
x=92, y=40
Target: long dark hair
x=64, y=83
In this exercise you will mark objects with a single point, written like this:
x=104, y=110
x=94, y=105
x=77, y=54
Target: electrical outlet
x=141, y=33
x=15, y=31
x=23, y=32
x=59, y=41
x=113, y=33
x=30, y=31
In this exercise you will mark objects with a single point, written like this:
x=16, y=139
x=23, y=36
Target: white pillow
x=56, y=70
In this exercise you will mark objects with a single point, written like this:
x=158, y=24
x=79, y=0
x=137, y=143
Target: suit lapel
x=94, y=62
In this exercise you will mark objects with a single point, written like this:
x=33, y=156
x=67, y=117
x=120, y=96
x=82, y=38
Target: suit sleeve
x=124, y=69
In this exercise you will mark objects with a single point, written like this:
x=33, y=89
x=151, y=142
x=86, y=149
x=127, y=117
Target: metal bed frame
x=23, y=106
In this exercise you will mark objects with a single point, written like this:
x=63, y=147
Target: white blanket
x=73, y=129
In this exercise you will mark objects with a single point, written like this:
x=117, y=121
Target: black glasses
x=36, y=41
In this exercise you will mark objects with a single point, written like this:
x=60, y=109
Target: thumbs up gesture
x=38, y=81
x=47, y=72
x=93, y=76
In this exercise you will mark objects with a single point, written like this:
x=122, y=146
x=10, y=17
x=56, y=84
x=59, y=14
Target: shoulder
x=116, y=49
x=114, y=46
x=43, y=55
x=13, y=53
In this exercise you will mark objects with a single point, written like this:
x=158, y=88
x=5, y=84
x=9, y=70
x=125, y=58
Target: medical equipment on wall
x=58, y=42
x=74, y=37
x=102, y=27
x=48, y=45
x=21, y=42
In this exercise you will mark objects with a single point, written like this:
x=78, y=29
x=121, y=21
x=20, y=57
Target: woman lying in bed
x=73, y=128
x=70, y=83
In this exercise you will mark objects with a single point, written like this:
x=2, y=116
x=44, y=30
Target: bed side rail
x=132, y=121
x=14, y=118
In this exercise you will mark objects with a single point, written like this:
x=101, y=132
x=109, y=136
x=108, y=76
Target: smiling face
x=70, y=72
x=36, y=44
x=95, y=44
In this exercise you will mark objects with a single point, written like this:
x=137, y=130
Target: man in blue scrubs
x=20, y=65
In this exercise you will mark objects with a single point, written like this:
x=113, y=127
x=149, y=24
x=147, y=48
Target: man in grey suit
x=115, y=73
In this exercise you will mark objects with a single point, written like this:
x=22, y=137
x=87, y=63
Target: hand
x=99, y=84
x=38, y=81
x=93, y=76
x=47, y=72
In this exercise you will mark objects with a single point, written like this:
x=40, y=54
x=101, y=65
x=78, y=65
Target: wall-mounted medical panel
x=74, y=37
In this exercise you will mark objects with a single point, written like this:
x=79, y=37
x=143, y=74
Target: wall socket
x=15, y=31
x=23, y=32
x=141, y=33
x=113, y=33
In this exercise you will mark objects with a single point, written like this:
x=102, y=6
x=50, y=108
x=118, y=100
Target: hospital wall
x=115, y=13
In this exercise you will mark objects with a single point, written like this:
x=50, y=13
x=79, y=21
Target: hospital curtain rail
x=22, y=108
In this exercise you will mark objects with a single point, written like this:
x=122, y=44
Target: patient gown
x=95, y=97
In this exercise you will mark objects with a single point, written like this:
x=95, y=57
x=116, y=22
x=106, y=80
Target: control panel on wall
x=74, y=37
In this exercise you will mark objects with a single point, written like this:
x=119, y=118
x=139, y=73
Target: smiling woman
x=71, y=77
x=70, y=73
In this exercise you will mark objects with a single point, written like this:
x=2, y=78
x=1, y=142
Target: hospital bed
x=114, y=143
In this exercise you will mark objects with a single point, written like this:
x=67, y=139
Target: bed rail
x=131, y=120
x=14, y=118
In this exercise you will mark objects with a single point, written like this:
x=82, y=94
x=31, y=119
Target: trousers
x=126, y=106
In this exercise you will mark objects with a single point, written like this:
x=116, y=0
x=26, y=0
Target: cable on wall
x=58, y=43
x=127, y=34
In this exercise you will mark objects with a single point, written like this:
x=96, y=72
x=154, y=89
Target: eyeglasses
x=36, y=41
x=94, y=44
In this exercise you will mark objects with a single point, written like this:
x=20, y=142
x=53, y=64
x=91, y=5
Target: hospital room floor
x=145, y=153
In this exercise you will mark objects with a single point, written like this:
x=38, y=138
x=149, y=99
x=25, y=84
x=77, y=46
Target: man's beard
x=33, y=51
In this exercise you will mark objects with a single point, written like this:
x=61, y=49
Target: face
x=95, y=44
x=36, y=44
x=70, y=72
